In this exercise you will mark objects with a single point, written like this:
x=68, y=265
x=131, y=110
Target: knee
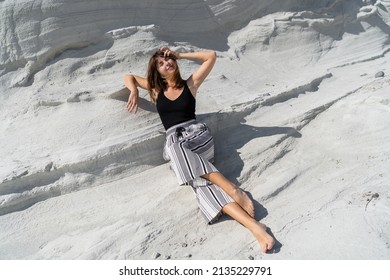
x=210, y=176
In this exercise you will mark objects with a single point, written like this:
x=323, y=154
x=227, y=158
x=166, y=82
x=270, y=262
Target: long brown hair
x=156, y=82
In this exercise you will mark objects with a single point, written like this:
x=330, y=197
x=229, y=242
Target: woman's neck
x=171, y=83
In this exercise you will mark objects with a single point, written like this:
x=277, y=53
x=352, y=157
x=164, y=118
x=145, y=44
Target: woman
x=189, y=145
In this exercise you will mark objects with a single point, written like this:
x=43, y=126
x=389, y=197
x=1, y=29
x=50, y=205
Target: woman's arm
x=208, y=59
x=132, y=82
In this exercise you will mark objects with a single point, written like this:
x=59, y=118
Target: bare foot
x=244, y=201
x=266, y=241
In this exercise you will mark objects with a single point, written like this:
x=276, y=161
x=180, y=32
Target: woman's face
x=165, y=66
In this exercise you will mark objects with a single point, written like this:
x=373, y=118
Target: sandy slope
x=299, y=118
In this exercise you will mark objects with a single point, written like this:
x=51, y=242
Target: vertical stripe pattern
x=189, y=147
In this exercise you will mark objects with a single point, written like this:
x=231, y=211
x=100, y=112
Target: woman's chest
x=173, y=94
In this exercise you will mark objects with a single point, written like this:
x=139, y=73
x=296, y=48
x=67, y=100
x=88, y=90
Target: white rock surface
x=299, y=119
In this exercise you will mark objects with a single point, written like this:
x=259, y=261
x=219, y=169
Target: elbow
x=213, y=55
x=128, y=80
x=127, y=77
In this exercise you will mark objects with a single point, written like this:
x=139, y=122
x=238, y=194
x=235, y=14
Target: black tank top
x=176, y=111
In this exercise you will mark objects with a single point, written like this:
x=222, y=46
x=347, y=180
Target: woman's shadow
x=230, y=134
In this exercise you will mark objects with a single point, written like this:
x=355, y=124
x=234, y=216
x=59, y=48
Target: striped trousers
x=189, y=147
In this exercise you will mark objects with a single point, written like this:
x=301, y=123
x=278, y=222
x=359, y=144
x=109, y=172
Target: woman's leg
x=236, y=193
x=256, y=228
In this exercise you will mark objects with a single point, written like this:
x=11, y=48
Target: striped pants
x=189, y=147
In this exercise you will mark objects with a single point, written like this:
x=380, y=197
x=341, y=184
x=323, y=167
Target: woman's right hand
x=168, y=52
x=132, y=103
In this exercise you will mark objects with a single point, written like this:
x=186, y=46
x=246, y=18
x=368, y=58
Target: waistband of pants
x=172, y=129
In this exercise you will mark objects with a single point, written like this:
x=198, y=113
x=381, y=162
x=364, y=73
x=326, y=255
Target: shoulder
x=156, y=94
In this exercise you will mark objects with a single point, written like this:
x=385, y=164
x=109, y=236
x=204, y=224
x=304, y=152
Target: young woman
x=189, y=145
